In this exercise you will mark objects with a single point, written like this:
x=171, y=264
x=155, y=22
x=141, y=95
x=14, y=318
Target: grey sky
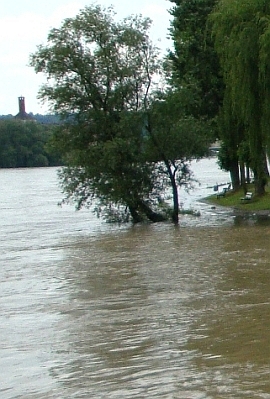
x=25, y=24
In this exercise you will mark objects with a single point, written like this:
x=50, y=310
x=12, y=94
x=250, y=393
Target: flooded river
x=91, y=310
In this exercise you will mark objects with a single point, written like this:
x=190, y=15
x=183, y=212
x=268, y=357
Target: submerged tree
x=175, y=138
x=99, y=75
x=242, y=39
x=102, y=78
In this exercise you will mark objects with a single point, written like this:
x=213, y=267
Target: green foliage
x=176, y=134
x=94, y=63
x=241, y=32
x=121, y=142
x=99, y=77
x=24, y=144
x=173, y=139
x=194, y=60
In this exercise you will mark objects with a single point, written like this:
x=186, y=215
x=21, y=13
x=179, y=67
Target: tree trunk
x=247, y=174
x=259, y=182
x=259, y=187
x=243, y=177
x=258, y=152
x=150, y=214
x=175, y=212
x=136, y=218
x=260, y=177
x=266, y=171
x=234, y=173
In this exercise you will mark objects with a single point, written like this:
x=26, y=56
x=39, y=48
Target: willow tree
x=242, y=39
x=231, y=133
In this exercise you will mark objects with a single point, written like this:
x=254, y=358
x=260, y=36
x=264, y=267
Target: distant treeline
x=44, y=119
x=26, y=144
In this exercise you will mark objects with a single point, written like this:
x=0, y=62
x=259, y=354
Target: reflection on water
x=91, y=310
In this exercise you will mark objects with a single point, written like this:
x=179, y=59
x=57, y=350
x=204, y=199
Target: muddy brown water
x=91, y=310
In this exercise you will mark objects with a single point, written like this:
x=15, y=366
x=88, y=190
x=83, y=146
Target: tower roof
x=22, y=113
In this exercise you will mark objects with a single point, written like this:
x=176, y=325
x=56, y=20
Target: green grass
x=233, y=199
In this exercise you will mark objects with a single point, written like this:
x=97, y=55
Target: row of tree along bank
x=223, y=47
x=133, y=120
x=26, y=144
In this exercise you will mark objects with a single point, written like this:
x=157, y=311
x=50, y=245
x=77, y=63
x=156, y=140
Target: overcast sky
x=25, y=24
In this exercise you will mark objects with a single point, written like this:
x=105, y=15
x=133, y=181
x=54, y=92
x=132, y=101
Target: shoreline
x=236, y=210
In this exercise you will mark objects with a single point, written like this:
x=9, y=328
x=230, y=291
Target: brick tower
x=22, y=113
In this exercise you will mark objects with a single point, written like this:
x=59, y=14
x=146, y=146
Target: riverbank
x=235, y=200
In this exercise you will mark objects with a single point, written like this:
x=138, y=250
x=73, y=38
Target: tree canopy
x=194, y=59
x=103, y=78
x=25, y=144
x=174, y=139
x=99, y=77
x=242, y=32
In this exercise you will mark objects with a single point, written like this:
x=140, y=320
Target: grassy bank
x=233, y=199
